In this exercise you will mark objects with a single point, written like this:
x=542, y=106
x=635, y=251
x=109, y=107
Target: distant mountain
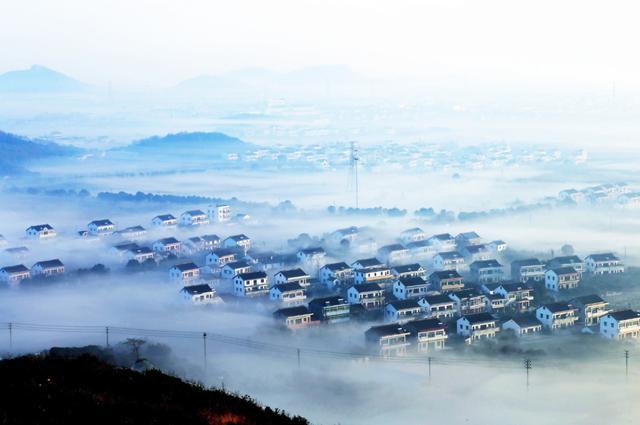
x=333, y=74
x=211, y=84
x=191, y=142
x=17, y=151
x=38, y=79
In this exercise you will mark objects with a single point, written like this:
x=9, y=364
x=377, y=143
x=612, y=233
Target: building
x=140, y=254
x=497, y=246
x=410, y=287
x=408, y=270
x=343, y=238
x=313, y=256
x=557, y=315
x=210, y=242
x=438, y=306
x=561, y=278
x=414, y=234
x=122, y=249
x=200, y=294
x=374, y=274
x=364, y=263
x=234, y=268
x=519, y=298
x=469, y=301
x=477, y=327
x=402, y=311
x=330, y=309
x=132, y=233
x=620, y=325
x=290, y=294
x=336, y=275
x=252, y=284
x=590, y=309
x=429, y=334
x=369, y=295
x=220, y=257
x=219, y=213
x=522, y=325
x=393, y=254
x=446, y=281
x=293, y=276
x=526, y=270
x=566, y=261
x=449, y=260
x=48, y=268
x=194, y=218
x=167, y=246
x=240, y=242
x=468, y=238
x=101, y=227
x=473, y=253
x=442, y=242
x=487, y=271
x=606, y=263
x=388, y=340
x=421, y=249
x=294, y=317
x=14, y=274
x=164, y=220
x=41, y=231
x=185, y=273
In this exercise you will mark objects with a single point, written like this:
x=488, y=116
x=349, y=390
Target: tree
x=567, y=249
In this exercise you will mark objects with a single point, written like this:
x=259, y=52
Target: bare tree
x=135, y=344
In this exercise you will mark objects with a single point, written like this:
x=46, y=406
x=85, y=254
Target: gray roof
x=49, y=264
x=293, y=273
x=480, y=318
x=624, y=315
x=446, y=274
x=604, y=257
x=367, y=287
x=450, y=255
x=407, y=268
x=335, y=267
x=237, y=265
x=438, y=299
x=197, y=289
x=194, y=212
x=412, y=281
x=404, y=304
x=558, y=307
x=292, y=311
x=165, y=217
x=40, y=227
x=526, y=262
x=368, y=262
x=102, y=222
x=186, y=266
x=286, y=287
x=19, y=268
x=168, y=241
x=386, y=330
x=564, y=270
x=589, y=299
x=484, y=264
x=252, y=275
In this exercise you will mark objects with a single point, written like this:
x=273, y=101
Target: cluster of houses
x=422, y=288
x=609, y=193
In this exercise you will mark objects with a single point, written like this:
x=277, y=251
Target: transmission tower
x=353, y=170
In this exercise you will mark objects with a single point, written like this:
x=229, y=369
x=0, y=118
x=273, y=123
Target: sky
x=158, y=43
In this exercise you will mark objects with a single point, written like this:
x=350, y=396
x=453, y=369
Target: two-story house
x=200, y=294
x=41, y=231
x=408, y=270
x=449, y=260
x=519, y=297
x=374, y=274
x=332, y=309
x=620, y=325
x=566, y=261
x=522, y=325
x=252, y=284
x=368, y=295
x=220, y=213
x=487, y=271
x=393, y=254
x=438, y=306
x=241, y=242
x=468, y=238
x=590, y=309
x=168, y=245
x=48, y=268
x=428, y=334
x=410, y=287
x=473, y=253
x=194, y=218
x=101, y=227
x=289, y=294
x=296, y=275
x=606, y=263
x=14, y=274
x=402, y=311
x=388, y=340
x=530, y=269
x=164, y=220
x=442, y=242
x=469, y=301
x=446, y=281
x=414, y=234
x=477, y=327
x=186, y=273
x=557, y=315
x=294, y=317
x=234, y=268
x=335, y=275
x=561, y=278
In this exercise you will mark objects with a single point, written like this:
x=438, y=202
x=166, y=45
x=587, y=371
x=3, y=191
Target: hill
x=38, y=79
x=18, y=150
x=84, y=390
x=191, y=142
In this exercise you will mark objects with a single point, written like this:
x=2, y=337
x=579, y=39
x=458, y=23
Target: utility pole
x=204, y=350
x=10, y=338
x=626, y=363
x=353, y=170
x=429, y=360
x=527, y=366
x=298, y=350
x=106, y=330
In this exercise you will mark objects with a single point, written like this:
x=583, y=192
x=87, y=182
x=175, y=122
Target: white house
x=590, y=309
x=414, y=234
x=220, y=257
x=408, y=270
x=167, y=245
x=421, y=249
x=497, y=246
x=101, y=227
x=561, y=278
x=449, y=260
x=620, y=325
x=528, y=269
x=343, y=237
x=606, y=263
x=253, y=284
x=442, y=242
x=374, y=274
x=48, y=268
x=476, y=327
x=557, y=315
x=393, y=254
x=184, y=273
x=293, y=276
x=220, y=213
x=430, y=334
x=410, y=287
x=230, y=270
x=438, y=306
x=522, y=325
x=140, y=254
x=567, y=261
x=241, y=242
x=193, y=245
x=335, y=274
x=201, y=294
x=369, y=295
x=14, y=274
x=388, y=340
x=313, y=256
x=446, y=280
x=486, y=271
x=289, y=294
x=469, y=301
x=518, y=296
x=41, y=231
x=468, y=238
x=194, y=218
x=473, y=253
x=164, y=220
x=294, y=317
x=402, y=311
x=210, y=242
x=365, y=262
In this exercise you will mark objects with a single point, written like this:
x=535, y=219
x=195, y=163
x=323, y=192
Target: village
x=419, y=292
